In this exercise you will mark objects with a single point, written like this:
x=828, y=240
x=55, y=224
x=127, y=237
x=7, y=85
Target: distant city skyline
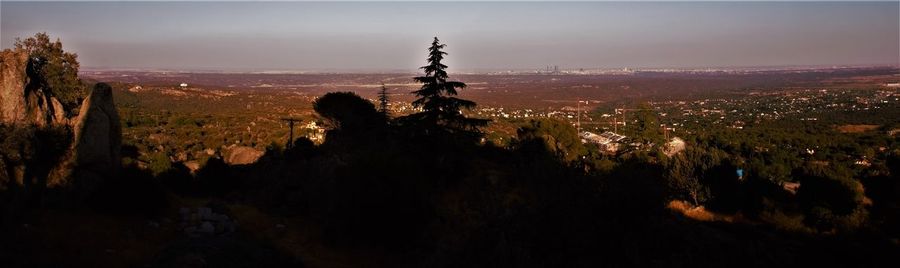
x=382, y=36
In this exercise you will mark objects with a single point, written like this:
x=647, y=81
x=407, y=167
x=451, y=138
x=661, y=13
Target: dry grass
x=778, y=219
x=785, y=222
x=698, y=213
x=82, y=238
x=87, y=239
x=856, y=128
x=298, y=238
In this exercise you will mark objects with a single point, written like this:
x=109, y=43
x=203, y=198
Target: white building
x=316, y=133
x=607, y=141
x=674, y=146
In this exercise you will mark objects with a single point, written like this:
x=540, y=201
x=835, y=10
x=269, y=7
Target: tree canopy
x=52, y=68
x=830, y=197
x=347, y=111
x=557, y=136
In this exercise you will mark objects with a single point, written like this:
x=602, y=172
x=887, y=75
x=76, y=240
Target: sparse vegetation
x=417, y=190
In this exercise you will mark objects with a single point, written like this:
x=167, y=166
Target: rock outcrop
x=44, y=111
x=12, y=80
x=205, y=221
x=21, y=100
x=242, y=155
x=88, y=157
x=98, y=135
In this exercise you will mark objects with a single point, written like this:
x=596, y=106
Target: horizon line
x=492, y=70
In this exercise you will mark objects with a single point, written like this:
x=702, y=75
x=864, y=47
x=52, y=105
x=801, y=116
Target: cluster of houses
x=611, y=142
x=315, y=133
x=607, y=141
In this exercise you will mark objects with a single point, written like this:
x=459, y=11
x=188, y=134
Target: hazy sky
x=480, y=36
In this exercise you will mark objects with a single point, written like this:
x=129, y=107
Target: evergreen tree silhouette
x=436, y=97
x=383, y=101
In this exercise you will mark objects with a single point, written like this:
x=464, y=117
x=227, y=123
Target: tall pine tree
x=383, y=101
x=436, y=97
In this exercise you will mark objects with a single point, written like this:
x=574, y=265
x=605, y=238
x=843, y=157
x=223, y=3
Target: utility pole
x=291, y=121
x=578, y=115
x=625, y=122
x=666, y=131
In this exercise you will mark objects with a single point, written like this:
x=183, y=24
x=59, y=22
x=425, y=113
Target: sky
x=387, y=36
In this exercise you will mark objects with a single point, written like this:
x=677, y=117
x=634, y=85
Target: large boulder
x=43, y=111
x=75, y=153
x=242, y=155
x=21, y=100
x=12, y=85
x=38, y=121
x=98, y=135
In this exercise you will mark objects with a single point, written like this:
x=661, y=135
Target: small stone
x=280, y=226
x=190, y=260
x=153, y=224
x=204, y=212
x=212, y=217
x=230, y=227
x=207, y=228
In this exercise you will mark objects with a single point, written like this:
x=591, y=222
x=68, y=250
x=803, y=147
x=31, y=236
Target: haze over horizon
x=340, y=36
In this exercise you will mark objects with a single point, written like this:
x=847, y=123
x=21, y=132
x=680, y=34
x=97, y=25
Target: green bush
x=831, y=199
x=159, y=162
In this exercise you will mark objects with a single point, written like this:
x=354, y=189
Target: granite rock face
x=24, y=102
x=93, y=138
x=98, y=135
x=242, y=155
x=12, y=80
